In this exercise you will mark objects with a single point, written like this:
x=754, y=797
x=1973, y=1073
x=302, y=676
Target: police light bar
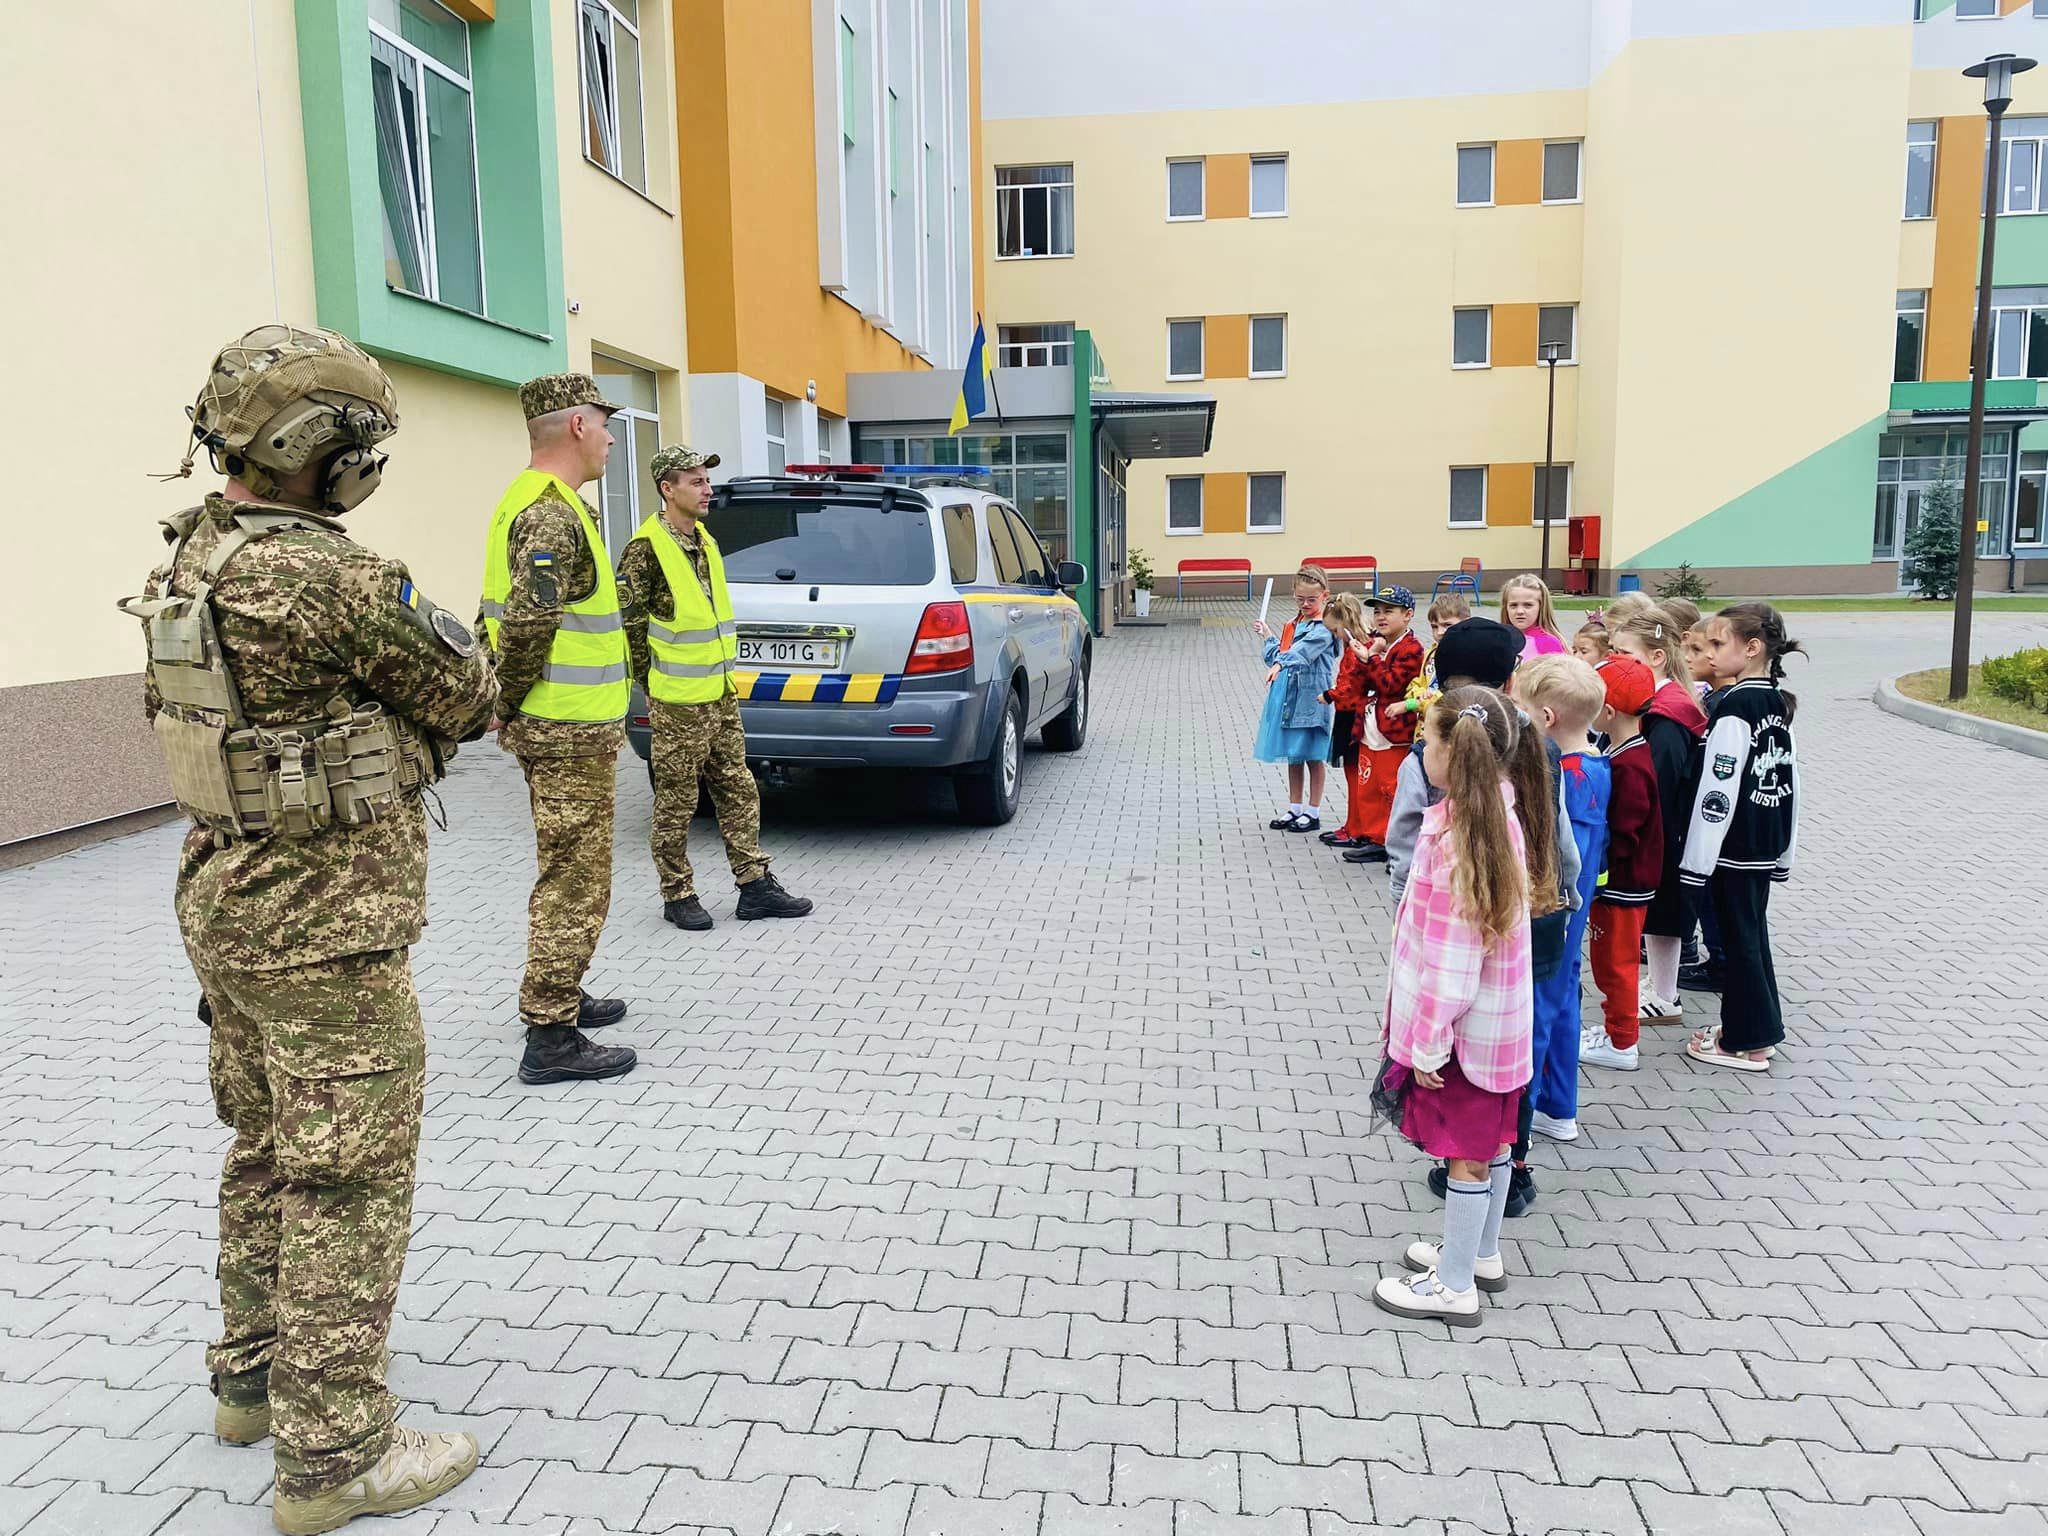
x=852, y=471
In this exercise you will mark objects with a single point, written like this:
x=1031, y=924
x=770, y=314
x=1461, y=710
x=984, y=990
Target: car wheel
x=987, y=793
x=1070, y=730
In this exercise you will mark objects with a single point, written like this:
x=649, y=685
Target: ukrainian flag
x=973, y=399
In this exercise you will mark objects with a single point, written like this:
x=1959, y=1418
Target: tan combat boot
x=241, y=1423
x=419, y=1466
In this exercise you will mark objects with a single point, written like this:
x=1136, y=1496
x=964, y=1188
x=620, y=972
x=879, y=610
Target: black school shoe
x=1282, y=823
x=1306, y=824
x=1365, y=853
x=1704, y=977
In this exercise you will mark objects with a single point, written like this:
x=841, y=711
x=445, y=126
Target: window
x=2030, y=522
x=1558, y=323
x=1269, y=346
x=1468, y=497
x=1036, y=346
x=626, y=493
x=781, y=541
x=1185, y=188
x=1030, y=469
x=849, y=84
x=1003, y=540
x=1034, y=210
x=1265, y=503
x=1183, y=349
x=1909, y=467
x=963, y=560
x=1471, y=338
x=1906, y=344
x=825, y=431
x=1972, y=10
x=1037, y=573
x=2025, y=152
x=1561, y=172
x=1560, y=495
x=1269, y=186
x=1184, y=504
x=1920, y=142
x=614, y=125
x=426, y=152
x=778, y=436
x=2041, y=7
x=2019, y=333
x=1475, y=175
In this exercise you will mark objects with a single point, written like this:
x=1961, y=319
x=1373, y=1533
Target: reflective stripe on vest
x=690, y=661
x=584, y=678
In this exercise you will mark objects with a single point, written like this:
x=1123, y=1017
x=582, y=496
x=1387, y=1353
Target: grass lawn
x=1985, y=603
x=1931, y=687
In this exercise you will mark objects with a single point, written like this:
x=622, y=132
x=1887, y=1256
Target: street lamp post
x=1552, y=352
x=1996, y=72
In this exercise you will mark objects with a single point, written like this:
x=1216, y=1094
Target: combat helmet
x=280, y=398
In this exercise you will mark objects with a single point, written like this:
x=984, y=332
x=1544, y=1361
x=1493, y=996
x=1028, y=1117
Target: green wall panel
x=1954, y=394
x=511, y=61
x=1817, y=512
x=1087, y=545
x=2021, y=259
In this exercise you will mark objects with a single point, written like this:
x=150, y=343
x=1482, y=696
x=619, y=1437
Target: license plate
x=822, y=654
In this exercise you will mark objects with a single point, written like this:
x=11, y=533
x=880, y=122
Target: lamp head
x=1551, y=351
x=1996, y=72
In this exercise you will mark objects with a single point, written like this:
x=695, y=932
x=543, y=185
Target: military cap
x=675, y=457
x=553, y=392
x=1392, y=596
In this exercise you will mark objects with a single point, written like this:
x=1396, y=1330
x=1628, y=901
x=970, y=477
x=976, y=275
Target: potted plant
x=1141, y=579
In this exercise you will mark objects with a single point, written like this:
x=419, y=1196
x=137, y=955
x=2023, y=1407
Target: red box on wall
x=1582, y=536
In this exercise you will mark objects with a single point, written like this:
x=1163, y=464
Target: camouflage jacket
x=305, y=616
x=549, y=526
x=643, y=590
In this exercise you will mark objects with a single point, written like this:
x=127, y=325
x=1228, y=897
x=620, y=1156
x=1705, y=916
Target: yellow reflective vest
x=691, y=660
x=585, y=675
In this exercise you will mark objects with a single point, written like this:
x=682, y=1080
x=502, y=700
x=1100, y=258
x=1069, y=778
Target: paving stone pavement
x=1027, y=1188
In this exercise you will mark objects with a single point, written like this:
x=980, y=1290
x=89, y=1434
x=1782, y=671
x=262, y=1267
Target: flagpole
x=994, y=393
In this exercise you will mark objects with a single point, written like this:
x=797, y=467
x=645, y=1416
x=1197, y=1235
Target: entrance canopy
x=1155, y=426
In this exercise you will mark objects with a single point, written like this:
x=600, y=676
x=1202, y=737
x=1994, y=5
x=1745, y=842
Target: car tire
x=1069, y=731
x=987, y=793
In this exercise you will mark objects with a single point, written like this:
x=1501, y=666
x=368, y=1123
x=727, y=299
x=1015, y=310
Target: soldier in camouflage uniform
x=552, y=616
x=698, y=737
x=293, y=676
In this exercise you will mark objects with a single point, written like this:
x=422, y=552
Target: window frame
x=1932, y=144
x=2037, y=473
x=952, y=516
x=636, y=421
x=1492, y=148
x=1047, y=188
x=1201, y=507
x=1472, y=309
x=1570, y=359
x=612, y=123
x=2024, y=313
x=1559, y=517
x=2038, y=141
x=1000, y=538
x=1265, y=474
x=1024, y=536
x=1024, y=349
x=429, y=245
x=1578, y=173
x=1201, y=325
x=1252, y=369
x=1990, y=15
x=778, y=446
x=1484, y=472
x=1286, y=187
x=1201, y=164
x=1899, y=312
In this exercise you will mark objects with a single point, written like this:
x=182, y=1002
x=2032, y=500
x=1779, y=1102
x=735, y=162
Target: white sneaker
x=1652, y=1009
x=1596, y=1050
x=1557, y=1130
x=1488, y=1274
x=1424, y=1296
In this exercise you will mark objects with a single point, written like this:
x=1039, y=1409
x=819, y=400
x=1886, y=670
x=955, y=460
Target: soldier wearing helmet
x=306, y=695
x=551, y=615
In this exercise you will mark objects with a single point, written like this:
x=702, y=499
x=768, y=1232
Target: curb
x=1996, y=733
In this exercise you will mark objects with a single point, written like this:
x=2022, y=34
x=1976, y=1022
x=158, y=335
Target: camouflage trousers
x=572, y=894
x=702, y=744
x=319, y=1069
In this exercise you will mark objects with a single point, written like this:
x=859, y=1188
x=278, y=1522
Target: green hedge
x=2021, y=677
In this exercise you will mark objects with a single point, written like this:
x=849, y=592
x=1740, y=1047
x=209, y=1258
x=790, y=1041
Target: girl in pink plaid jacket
x=1459, y=1007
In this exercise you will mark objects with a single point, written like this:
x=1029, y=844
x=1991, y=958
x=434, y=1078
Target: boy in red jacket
x=1386, y=733
x=1635, y=863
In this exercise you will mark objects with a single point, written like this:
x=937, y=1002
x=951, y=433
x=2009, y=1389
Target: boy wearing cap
x=1635, y=862
x=1386, y=732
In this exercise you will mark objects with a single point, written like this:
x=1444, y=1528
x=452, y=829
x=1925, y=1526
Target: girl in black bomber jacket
x=1745, y=828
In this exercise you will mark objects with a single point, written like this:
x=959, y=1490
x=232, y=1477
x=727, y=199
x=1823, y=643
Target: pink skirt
x=1460, y=1120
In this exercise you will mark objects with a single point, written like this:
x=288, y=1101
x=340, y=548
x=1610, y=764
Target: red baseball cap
x=1630, y=685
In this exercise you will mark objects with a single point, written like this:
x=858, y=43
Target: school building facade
x=1748, y=230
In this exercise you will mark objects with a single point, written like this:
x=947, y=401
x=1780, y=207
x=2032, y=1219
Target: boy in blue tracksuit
x=1563, y=695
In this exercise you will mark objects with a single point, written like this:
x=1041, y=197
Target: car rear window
x=805, y=540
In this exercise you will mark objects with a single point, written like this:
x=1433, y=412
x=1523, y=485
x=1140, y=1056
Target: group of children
x=1525, y=794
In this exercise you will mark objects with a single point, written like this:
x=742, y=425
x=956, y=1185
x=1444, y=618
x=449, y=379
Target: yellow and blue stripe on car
x=818, y=687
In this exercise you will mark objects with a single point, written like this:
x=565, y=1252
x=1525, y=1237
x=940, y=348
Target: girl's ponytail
x=1760, y=621
x=1528, y=769
x=1488, y=884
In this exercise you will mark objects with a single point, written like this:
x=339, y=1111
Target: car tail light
x=943, y=643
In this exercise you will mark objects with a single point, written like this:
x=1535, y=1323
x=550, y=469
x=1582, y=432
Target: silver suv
x=899, y=621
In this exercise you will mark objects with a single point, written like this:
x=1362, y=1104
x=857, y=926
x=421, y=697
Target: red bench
x=1213, y=570
x=1339, y=566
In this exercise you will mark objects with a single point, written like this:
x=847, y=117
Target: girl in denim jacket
x=1294, y=727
